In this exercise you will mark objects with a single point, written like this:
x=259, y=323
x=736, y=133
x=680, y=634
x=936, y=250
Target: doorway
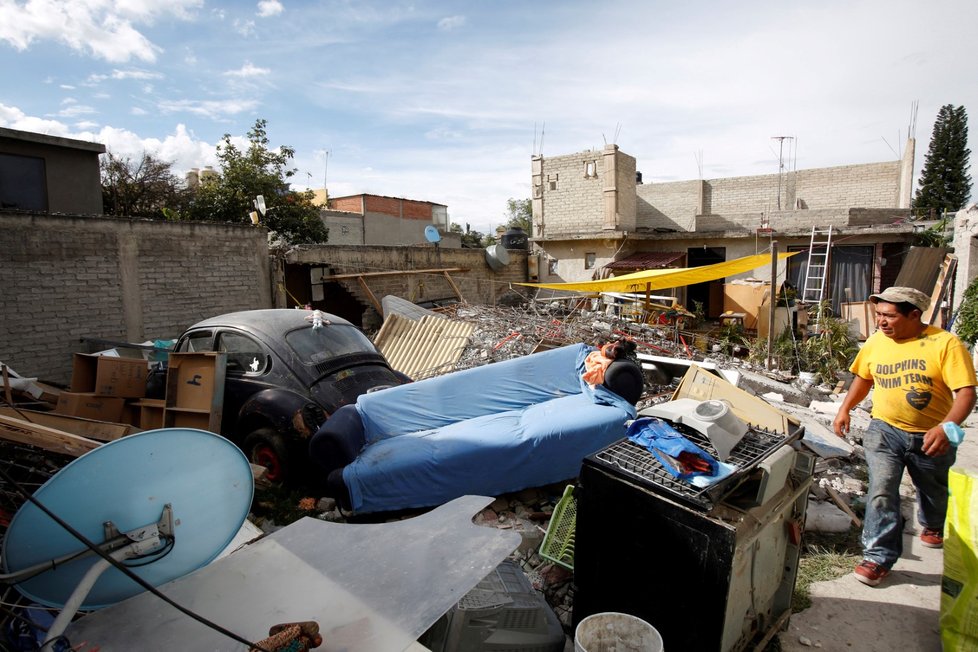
x=709, y=293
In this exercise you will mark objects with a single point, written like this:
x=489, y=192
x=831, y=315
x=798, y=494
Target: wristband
x=954, y=432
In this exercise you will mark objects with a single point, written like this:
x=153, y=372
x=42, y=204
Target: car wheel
x=266, y=447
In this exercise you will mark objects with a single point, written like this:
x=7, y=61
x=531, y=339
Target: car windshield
x=315, y=345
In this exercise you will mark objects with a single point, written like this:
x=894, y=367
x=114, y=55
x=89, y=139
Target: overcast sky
x=446, y=102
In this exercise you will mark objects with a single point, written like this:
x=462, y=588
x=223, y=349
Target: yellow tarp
x=659, y=279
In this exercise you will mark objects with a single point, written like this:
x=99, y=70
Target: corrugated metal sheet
x=428, y=347
x=646, y=260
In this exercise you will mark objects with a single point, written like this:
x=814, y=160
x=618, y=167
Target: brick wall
x=384, y=205
x=349, y=204
x=64, y=278
x=416, y=210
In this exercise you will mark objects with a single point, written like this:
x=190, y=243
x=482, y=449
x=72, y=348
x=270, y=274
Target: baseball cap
x=897, y=294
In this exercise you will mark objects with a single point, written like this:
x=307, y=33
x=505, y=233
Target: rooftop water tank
x=514, y=238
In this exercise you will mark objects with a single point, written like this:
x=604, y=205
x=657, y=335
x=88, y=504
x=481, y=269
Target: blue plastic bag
x=680, y=457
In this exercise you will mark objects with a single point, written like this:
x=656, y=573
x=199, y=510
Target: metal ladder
x=816, y=271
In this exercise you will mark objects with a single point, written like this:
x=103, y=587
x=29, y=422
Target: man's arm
x=935, y=441
x=858, y=390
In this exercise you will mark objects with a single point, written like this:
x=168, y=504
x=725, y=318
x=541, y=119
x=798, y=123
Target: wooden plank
x=341, y=277
x=56, y=441
x=88, y=428
x=844, y=506
x=370, y=295
x=458, y=292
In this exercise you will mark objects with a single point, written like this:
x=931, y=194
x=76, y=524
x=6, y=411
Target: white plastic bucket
x=616, y=632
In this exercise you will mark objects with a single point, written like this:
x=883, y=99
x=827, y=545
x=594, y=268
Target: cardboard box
x=90, y=406
x=861, y=315
x=150, y=411
x=109, y=375
x=701, y=385
x=745, y=298
x=191, y=377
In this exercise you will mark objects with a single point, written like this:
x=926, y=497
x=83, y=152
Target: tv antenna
x=781, y=140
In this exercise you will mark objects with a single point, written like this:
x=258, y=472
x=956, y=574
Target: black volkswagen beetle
x=287, y=372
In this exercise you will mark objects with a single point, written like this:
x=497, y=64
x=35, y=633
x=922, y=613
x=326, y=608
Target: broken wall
x=478, y=283
x=67, y=277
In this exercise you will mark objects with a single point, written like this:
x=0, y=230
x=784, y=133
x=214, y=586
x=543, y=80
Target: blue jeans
x=888, y=451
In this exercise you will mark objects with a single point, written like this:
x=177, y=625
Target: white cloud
x=216, y=109
x=132, y=73
x=85, y=125
x=451, y=22
x=268, y=8
x=103, y=29
x=248, y=70
x=244, y=27
x=73, y=110
x=138, y=111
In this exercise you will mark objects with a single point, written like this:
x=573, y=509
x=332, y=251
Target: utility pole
x=780, y=140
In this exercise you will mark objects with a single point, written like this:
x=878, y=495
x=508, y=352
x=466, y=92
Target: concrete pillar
x=610, y=188
x=129, y=290
x=966, y=249
x=906, y=174
x=536, y=203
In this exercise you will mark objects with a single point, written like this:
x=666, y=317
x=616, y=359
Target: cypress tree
x=944, y=181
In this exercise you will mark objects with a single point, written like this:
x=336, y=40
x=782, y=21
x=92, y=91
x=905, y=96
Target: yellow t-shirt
x=913, y=379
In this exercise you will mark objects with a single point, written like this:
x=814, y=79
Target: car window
x=198, y=341
x=315, y=345
x=245, y=355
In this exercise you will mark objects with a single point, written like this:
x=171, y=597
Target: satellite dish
x=497, y=257
x=260, y=204
x=431, y=234
x=203, y=478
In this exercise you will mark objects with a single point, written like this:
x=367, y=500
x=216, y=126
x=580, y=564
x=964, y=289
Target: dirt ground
x=901, y=613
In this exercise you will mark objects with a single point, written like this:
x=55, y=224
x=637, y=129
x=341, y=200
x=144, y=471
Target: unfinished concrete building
x=593, y=217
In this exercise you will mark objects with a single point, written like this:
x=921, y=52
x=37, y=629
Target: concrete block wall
x=672, y=205
x=64, y=278
x=871, y=185
x=571, y=201
x=344, y=227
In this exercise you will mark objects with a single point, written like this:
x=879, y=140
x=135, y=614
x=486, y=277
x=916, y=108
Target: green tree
x=145, y=188
x=244, y=175
x=519, y=212
x=471, y=239
x=944, y=181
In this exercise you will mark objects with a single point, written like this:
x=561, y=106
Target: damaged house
x=593, y=217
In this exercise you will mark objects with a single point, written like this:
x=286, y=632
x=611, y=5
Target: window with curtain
x=850, y=273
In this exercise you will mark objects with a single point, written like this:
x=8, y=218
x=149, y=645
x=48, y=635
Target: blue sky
x=446, y=102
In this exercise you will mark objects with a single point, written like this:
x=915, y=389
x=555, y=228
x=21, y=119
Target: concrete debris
x=826, y=518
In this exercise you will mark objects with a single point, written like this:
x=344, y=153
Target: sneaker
x=932, y=538
x=870, y=573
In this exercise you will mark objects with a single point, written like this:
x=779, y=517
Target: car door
x=249, y=364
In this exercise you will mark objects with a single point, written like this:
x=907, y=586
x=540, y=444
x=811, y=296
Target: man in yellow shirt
x=921, y=377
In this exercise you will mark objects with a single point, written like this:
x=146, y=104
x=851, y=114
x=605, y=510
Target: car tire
x=266, y=448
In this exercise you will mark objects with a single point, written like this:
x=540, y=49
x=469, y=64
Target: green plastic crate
x=558, y=543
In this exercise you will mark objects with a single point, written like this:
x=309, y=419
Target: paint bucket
x=616, y=632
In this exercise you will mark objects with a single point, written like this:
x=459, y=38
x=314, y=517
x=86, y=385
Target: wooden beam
x=56, y=441
x=458, y=292
x=370, y=295
x=7, y=395
x=342, y=277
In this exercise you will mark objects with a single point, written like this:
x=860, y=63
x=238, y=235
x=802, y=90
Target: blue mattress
x=490, y=430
